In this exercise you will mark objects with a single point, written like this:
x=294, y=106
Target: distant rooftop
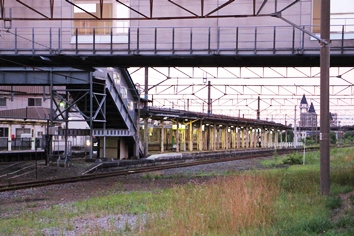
x=312, y=108
x=303, y=100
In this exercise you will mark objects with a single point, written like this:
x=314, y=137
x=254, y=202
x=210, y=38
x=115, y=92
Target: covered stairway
x=112, y=106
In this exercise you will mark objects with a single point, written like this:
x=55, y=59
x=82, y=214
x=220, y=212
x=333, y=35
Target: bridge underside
x=88, y=62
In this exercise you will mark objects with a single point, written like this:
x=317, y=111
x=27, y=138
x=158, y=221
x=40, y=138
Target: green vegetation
x=281, y=201
x=348, y=137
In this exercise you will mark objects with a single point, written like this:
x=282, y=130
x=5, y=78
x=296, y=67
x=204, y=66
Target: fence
x=172, y=40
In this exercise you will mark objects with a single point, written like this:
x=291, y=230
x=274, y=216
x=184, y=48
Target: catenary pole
x=324, y=98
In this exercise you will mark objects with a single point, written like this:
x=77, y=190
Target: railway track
x=129, y=171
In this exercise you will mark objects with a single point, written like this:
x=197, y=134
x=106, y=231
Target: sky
x=235, y=90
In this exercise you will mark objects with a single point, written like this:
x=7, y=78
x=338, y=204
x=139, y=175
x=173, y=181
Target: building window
x=4, y=132
x=130, y=105
x=116, y=78
x=21, y=131
x=2, y=102
x=124, y=92
x=34, y=102
x=40, y=134
x=109, y=9
x=342, y=14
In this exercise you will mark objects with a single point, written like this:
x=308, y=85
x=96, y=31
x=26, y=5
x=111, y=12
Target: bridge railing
x=171, y=40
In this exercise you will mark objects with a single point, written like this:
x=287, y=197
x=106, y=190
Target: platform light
x=62, y=104
x=45, y=58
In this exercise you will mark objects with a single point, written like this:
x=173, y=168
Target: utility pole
x=259, y=109
x=209, y=100
x=146, y=125
x=295, y=130
x=324, y=98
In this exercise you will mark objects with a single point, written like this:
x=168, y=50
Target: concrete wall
x=115, y=148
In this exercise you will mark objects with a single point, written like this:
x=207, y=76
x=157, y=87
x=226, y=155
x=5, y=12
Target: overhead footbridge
x=160, y=46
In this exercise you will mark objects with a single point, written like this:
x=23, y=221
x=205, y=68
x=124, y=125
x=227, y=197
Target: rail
x=172, y=40
x=145, y=169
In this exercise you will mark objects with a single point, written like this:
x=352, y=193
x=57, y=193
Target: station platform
x=22, y=155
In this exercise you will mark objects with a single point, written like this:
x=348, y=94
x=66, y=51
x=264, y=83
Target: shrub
x=293, y=159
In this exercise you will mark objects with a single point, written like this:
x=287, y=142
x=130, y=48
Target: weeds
x=334, y=202
x=351, y=199
x=269, y=202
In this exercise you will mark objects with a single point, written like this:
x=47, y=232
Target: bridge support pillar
x=233, y=137
x=177, y=137
x=262, y=135
x=183, y=140
x=238, y=134
x=243, y=137
x=215, y=138
x=223, y=137
x=266, y=139
x=255, y=138
x=200, y=136
x=209, y=138
x=190, y=138
x=162, y=137
x=247, y=138
x=249, y=142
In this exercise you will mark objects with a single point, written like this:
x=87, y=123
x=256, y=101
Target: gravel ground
x=14, y=202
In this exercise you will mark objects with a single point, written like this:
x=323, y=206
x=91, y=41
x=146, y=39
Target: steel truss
x=48, y=10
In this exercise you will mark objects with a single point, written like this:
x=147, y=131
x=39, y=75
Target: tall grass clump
x=225, y=206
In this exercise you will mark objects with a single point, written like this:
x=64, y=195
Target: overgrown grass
x=224, y=206
x=285, y=201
